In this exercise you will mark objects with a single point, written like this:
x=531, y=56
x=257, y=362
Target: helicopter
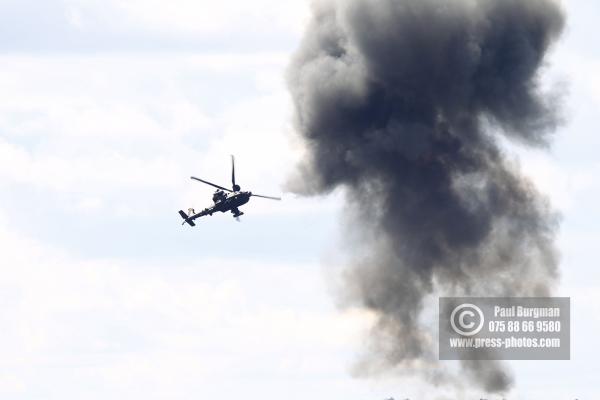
x=224, y=200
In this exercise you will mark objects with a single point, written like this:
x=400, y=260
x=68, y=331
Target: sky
x=106, y=109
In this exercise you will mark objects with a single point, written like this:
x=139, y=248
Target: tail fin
x=186, y=218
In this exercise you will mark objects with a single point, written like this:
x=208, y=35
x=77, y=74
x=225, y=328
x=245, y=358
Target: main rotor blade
x=232, y=171
x=211, y=184
x=266, y=197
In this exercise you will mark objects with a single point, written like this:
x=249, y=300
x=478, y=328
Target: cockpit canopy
x=219, y=196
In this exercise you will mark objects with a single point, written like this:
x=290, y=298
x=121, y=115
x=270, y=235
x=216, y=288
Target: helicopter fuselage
x=231, y=202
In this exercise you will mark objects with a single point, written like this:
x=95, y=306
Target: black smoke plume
x=402, y=103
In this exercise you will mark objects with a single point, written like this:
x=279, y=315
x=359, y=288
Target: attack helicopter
x=224, y=200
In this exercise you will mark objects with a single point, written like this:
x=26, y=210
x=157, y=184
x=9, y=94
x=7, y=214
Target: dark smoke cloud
x=402, y=103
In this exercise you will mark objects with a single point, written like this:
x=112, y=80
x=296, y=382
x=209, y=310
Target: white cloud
x=206, y=16
x=98, y=125
x=135, y=25
x=136, y=324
